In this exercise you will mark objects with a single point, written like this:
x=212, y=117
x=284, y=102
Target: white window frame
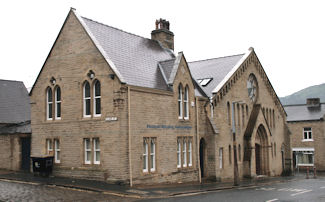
x=49, y=105
x=304, y=151
x=180, y=100
x=58, y=102
x=221, y=158
x=96, y=143
x=95, y=98
x=57, y=151
x=152, y=155
x=190, y=152
x=85, y=101
x=87, y=150
x=184, y=153
x=179, y=154
x=186, y=108
x=49, y=146
x=145, y=155
x=309, y=133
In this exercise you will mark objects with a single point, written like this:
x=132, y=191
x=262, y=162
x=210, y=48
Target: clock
x=252, y=87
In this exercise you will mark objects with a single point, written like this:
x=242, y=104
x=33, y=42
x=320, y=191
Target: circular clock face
x=252, y=87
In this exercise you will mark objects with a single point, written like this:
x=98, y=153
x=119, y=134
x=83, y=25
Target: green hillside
x=300, y=97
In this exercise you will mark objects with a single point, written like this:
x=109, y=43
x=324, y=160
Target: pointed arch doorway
x=261, y=152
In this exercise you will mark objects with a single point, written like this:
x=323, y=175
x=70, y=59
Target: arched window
x=229, y=148
x=180, y=100
x=186, y=112
x=58, y=103
x=49, y=103
x=97, y=110
x=228, y=112
x=86, y=99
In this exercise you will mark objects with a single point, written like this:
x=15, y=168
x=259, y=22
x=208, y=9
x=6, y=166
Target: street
x=300, y=190
x=17, y=191
x=294, y=190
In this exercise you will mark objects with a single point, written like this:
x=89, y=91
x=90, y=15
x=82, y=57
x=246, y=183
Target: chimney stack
x=163, y=34
x=313, y=102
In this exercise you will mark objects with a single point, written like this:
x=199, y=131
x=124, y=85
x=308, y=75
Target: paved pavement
x=137, y=192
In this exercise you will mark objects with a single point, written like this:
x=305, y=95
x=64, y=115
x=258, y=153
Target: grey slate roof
x=216, y=69
x=303, y=113
x=14, y=107
x=135, y=57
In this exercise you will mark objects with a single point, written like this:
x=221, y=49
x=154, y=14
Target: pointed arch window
x=180, y=100
x=179, y=158
x=97, y=99
x=58, y=103
x=86, y=99
x=186, y=112
x=49, y=104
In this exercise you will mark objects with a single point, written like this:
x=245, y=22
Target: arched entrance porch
x=261, y=152
x=256, y=153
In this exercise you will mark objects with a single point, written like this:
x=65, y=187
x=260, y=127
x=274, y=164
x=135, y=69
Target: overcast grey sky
x=287, y=35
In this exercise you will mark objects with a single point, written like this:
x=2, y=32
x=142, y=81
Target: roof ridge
x=167, y=60
x=11, y=80
x=292, y=105
x=115, y=28
x=217, y=58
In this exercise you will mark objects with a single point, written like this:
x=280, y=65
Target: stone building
x=306, y=123
x=118, y=107
x=15, y=129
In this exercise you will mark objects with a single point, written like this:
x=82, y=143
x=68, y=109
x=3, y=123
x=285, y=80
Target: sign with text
x=172, y=127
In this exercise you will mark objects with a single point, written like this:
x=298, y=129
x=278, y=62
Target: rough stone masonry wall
x=10, y=153
x=71, y=58
x=236, y=90
x=318, y=142
x=156, y=108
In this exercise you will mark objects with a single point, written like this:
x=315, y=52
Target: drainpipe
x=197, y=137
x=129, y=128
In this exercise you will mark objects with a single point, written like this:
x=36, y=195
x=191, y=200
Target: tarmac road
x=300, y=190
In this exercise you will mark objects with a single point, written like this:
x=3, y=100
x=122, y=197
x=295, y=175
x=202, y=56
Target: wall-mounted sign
x=172, y=127
x=111, y=118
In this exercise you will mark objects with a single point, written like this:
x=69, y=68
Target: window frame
x=186, y=104
x=58, y=102
x=184, y=153
x=57, y=151
x=85, y=99
x=152, y=155
x=309, y=134
x=49, y=104
x=95, y=98
x=190, y=157
x=179, y=153
x=145, y=156
x=221, y=158
x=96, y=142
x=87, y=151
x=180, y=101
x=49, y=147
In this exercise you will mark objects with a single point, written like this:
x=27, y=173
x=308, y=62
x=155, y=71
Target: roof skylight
x=204, y=82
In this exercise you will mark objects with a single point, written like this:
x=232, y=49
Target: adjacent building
x=306, y=123
x=15, y=128
x=118, y=107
